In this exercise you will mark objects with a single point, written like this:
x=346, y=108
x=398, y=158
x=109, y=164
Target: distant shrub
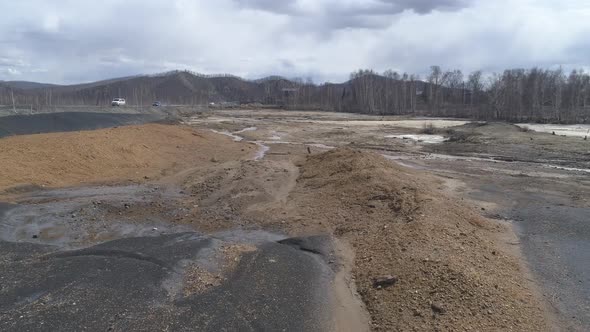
x=461, y=136
x=458, y=137
x=524, y=129
x=428, y=129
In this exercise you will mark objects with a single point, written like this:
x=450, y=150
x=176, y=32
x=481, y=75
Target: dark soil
x=69, y=121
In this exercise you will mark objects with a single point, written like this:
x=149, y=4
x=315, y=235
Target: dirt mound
x=450, y=273
x=341, y=171
x=449, y=269
x=133, y=153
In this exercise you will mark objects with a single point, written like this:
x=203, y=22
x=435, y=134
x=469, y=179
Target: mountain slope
x=366, y=93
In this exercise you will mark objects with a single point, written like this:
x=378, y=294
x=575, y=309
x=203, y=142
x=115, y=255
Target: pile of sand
x=132, y=153
x=451, y=274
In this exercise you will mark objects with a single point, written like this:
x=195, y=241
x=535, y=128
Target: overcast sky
x=72, y=41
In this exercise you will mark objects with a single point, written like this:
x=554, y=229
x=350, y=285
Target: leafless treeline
x=515, y=95
x=540, y=94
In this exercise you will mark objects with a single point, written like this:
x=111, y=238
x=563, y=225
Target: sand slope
x=452, y=276
x=117, y=154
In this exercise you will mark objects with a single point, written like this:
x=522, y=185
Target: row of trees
x=515, y=95
x=540, y=94
x=535, y=94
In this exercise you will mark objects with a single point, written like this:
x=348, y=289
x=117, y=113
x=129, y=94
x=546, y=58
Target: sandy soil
x=453, y=267
x=501, y=171
x=134, y=153
x=451, y=273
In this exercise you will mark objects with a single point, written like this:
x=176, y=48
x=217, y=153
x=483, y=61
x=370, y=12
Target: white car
x=118, y=102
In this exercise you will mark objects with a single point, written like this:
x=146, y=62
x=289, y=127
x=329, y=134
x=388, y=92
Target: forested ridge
x=539, y=95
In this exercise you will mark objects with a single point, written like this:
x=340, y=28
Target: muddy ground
x=538, y=183
x=302, y=211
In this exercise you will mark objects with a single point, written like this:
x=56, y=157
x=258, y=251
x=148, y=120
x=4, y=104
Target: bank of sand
x=132, y=153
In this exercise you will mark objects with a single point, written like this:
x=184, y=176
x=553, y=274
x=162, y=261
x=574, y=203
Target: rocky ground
x=417, y=232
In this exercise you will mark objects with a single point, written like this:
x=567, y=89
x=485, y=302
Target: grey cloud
x=376, y=7
x=425, y=6
x=11, y=62
x=278, y=7
x=323, y=17
x=59, y=42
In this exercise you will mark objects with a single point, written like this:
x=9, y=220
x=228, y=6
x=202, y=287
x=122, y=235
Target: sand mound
x=341, y=171
x=118, y=154
x=451, y=274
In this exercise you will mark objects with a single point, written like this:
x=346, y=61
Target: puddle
x=262, y=151
x=55, y=224
x=585, y=170
x=236, y=138
x=577, y=130
x=435, y=156
x=263, y=145
x=78, y=217
x=211, y=119
x=430, y=139
x=260, y=154
x=245, y=130
x=276, y=136
x=277, y=142
x=321, y=146
x=73, y=218
x=399, y=159
x=414, y=124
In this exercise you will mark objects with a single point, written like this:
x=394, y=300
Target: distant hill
x=24, y=85
x=176, y=87
x=541, y=96
x=365, y=92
